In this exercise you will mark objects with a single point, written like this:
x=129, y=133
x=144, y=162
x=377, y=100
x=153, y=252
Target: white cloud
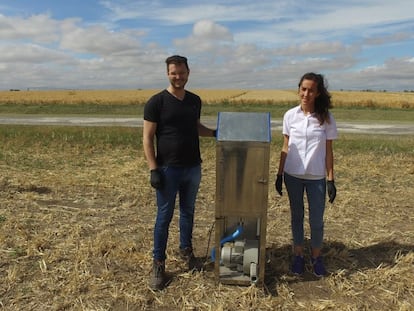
x=39, y=51
x=312, y=48
x=98, y=40
x=229, y=43
x=391, y=38
x=206, y=29
x=189, y=12
x=29, y=54
x=206, y=37
x=38, y=28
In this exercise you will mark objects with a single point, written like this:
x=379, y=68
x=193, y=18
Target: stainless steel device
x=242, y=171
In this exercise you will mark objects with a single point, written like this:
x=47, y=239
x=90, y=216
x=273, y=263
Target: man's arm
x=148, y=140
x=205, y=131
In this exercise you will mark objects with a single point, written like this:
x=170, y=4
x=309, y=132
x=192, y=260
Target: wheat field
x=209, y=96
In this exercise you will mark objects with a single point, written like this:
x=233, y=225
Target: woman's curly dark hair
x=323, y=101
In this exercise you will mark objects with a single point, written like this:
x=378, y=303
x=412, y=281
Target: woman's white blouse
x=307, y=143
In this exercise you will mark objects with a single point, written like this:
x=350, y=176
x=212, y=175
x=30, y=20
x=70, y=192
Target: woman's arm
x=329, y=160
x=283, y=154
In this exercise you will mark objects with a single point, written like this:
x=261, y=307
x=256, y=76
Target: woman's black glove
x=278, y=183
x=331, y=190
x=156, y=178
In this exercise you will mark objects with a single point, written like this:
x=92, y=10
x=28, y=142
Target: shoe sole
x=320, y=275
x=297, y=274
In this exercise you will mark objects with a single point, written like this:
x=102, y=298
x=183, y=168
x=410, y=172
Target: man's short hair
x=177, y=59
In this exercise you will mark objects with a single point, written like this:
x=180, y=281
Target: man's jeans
x=185, y=181
x=316, y=192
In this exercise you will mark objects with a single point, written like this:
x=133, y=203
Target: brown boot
x=158, y=278
x=187, y=255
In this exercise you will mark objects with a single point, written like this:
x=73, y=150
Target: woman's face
x=308, y=91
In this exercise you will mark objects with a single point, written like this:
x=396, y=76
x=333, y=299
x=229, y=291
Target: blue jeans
x=316, y=192
x=185, y=181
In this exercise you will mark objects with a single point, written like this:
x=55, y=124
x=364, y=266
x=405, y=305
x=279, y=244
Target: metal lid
x=244, y=126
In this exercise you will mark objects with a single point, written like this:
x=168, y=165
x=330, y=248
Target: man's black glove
x=331, y=190
x=156, y=178
x=278, y=183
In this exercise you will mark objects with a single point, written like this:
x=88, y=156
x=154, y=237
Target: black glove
x=278, y=183
x=331, y=190
x=156, y=178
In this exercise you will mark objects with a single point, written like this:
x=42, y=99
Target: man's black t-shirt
x=177, y=128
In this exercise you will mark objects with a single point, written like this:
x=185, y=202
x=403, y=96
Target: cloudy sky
x=267, y=44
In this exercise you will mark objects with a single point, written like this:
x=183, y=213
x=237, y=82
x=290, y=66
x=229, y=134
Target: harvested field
x=77, y=212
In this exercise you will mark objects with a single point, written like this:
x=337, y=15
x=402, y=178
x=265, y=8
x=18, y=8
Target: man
x=173, y=117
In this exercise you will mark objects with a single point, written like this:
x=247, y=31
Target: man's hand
x=331, y=190
x=278, y=183
x=156, y=178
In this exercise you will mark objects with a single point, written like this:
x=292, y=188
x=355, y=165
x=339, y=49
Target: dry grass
x=340, y=98
x=76, y=225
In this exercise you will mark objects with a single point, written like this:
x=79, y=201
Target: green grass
x=72, y=109
x=374, y=114
x=40, y=147
x=18, y=137
x=136, y=110
x=377, y=144
x=364, y=143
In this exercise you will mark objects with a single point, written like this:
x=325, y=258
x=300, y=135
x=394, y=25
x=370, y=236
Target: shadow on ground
x=337, y=257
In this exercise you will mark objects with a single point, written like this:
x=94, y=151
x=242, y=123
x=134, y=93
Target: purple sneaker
x=318, y=266
x=298, y=265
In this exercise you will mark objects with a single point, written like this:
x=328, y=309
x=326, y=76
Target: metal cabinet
x=242, y=174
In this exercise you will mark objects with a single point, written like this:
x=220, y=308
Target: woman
x=306, y=164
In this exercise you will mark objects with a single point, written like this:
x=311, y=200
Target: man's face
x=178, y=75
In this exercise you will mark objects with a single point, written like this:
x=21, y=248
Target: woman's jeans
x=185, y=181
x=316, y=192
